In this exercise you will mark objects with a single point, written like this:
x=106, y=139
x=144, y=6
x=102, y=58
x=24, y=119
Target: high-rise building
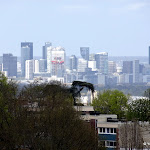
x=135, y=71
x=102, y=62
x=10, y=64
x=30, y=45
x=73, y=62
x=82, y=65
x=111, y=67
x=29, y=69
x=25, y=55
x=44, y=53
x=36, y=66
x=127, y=67
x=42, y=64
x=92, y=57
x=56, y=61
x=84, y=51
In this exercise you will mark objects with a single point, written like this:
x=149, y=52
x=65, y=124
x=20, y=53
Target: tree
x=111, y=102
x=43, y=117
x=147, y=93
x=130, y=136
x=139, y=110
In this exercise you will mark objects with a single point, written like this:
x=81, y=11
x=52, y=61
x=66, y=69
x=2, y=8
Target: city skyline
x=119, y=27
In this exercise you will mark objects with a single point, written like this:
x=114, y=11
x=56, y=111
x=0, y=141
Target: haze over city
x=119, y=27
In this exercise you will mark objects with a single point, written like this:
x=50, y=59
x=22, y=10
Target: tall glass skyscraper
x=30, y=45
x=26, y=54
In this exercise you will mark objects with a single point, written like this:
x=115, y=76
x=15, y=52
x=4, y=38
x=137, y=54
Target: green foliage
x=43, y=117
x=111, y=102
x=139, y=110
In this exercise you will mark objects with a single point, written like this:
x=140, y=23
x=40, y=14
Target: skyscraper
x=127, y=67
x=30, y=45
x=73, y=62
x=29, y=69
x=10, y=64
x=84, y=51
x=56, y=61
x=25, y=55
x=135, y=71
x=82, y=65
x=102, y=62
x=44, y=53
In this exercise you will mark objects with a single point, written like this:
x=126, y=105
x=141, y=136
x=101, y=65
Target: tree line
x=42, y=117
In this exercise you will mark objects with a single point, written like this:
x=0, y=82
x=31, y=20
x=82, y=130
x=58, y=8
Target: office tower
x=84, y=51
x=25, y=55
x=127, y=67
x=36, y=66
x=149, y=55
x=44, y=53
x=56, y=61
x=73, y=62
x=135, y=71
x=30, y=45
x=42, y=64
x=111, y=67
x=29, y=69
x=92, y=57
x=102, y=62
x=10, y=64
x=82, y=65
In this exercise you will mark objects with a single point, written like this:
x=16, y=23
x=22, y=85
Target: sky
x=119, y=27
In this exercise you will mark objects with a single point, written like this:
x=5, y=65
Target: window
x=107, y=130
x=111, y=144
x=103, y=130
x=100, y=129
x=114, y=130
x=111, y=130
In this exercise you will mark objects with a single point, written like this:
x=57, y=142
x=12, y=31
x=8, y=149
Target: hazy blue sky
x=119, y=27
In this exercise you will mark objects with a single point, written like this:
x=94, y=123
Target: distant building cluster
x=54, y=65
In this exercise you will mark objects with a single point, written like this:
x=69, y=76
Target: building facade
x=84, y=51
x=30, y=46
x=10, y=65
x=73, y=62
x=102, y=62
x=56, y=61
